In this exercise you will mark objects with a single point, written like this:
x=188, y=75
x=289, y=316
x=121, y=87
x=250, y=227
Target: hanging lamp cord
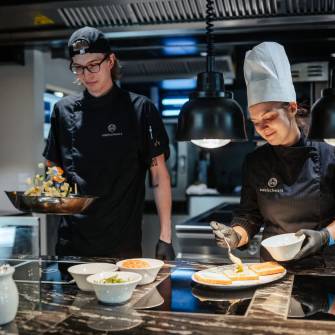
x=210, y=16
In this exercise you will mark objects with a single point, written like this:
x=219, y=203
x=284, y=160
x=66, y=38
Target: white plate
x=238, y=284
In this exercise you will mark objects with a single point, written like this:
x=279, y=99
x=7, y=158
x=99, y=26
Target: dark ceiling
x=142, y=29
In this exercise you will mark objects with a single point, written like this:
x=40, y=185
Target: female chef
x=288, y=183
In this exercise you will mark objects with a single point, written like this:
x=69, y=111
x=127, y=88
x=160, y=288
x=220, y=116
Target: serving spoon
x=233, y=258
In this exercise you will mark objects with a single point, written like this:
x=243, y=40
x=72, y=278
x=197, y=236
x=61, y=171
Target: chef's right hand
x=222, y=231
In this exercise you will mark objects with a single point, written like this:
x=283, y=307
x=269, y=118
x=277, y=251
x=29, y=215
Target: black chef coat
x=287, y=189
x=105, y=145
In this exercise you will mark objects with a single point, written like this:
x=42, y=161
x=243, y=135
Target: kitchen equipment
x=80, y=272
x=237, y=284
x=114, y=293
x=50, y=205
x=283, y=247
x=19, y=235
x=9, y=296
x=148, y=274
x=211, y=118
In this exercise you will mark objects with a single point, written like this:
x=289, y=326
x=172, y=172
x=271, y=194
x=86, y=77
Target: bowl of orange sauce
x=147, y=267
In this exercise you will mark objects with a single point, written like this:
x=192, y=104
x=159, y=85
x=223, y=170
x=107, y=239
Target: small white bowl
x=283, y=247
x=114, y=293
x=81, y=271
x=149, y=274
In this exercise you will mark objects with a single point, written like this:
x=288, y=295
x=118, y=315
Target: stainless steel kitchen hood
x=156, y=69
x=52, y=20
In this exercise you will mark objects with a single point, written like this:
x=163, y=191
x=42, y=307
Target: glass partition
x=19, y=237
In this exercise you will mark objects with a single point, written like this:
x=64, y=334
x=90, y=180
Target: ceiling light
x=211, y=118
x=323, y=115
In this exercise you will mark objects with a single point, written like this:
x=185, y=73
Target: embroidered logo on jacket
x=272, y=183
x=111, y=128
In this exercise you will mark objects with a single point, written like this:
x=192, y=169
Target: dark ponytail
x=302, y=117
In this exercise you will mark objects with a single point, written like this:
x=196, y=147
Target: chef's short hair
x=116, y=70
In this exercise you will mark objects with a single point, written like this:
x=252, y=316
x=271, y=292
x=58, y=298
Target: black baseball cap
x=88, y=39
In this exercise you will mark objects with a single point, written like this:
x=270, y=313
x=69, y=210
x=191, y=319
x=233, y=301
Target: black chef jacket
x=287, y=189
x=105, y=145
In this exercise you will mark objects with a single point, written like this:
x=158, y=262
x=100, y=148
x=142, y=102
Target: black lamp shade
x=323, y=116
x=211, y=113
x=211, y=118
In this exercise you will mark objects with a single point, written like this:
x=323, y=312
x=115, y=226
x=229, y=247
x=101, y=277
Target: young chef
x=288, y=183
x=105, y=139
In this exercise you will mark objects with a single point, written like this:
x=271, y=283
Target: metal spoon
x=233, y=258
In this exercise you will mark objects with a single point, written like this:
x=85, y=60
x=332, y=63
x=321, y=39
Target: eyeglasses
x=93, y=68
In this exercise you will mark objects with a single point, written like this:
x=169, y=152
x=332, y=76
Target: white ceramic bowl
x=283, y=247
x=149, y=274
x=81, y=271
x=115, y=293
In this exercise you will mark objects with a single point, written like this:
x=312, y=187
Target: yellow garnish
x=239, y=268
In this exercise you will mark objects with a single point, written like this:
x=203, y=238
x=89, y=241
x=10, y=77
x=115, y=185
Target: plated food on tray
x=231, y=277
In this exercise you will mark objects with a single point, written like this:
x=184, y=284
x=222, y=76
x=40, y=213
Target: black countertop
x=54, y=305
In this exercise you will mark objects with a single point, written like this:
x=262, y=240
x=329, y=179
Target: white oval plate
x=238, y=284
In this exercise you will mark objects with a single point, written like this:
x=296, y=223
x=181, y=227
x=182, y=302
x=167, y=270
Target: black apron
x=105, y=162
x=290, y=198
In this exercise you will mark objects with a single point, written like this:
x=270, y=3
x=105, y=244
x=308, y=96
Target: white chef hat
x=267, y=74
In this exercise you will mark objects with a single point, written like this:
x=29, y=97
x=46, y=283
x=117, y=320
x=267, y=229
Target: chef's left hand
x=164, y=251
x=315, y=240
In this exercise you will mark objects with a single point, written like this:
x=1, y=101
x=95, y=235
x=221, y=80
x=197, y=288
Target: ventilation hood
x=310, y=72
x=156, y=69
x=55, y=20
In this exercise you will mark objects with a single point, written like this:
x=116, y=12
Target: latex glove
x=164, y=251
x=314, y=241
x=220, y=231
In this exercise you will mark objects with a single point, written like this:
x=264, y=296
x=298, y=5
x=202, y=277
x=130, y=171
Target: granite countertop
x=49, y=308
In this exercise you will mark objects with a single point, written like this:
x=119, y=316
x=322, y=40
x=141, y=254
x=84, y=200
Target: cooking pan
x=73, y=204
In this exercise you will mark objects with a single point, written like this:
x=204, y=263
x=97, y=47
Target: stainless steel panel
x=57, y=19
x=197, y=241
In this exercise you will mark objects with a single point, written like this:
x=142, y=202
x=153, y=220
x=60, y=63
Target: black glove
x=164, y=251
x=223, y=232
x=314, y=241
